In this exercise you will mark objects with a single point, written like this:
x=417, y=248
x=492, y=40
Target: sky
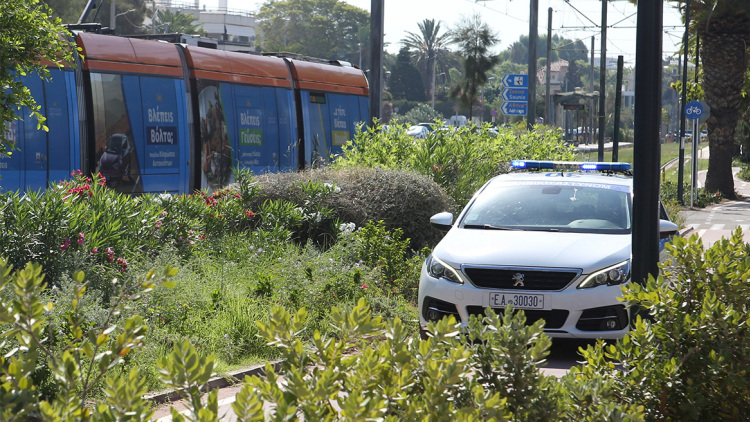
x=574, y=19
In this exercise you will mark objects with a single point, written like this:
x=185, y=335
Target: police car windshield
x=557, y=207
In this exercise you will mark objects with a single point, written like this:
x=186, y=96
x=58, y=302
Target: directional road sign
x=516, y=109
x=516, y=81
x=515, y=94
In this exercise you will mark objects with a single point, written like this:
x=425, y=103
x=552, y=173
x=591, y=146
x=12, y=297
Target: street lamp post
x=434, y=70
x=488, y=81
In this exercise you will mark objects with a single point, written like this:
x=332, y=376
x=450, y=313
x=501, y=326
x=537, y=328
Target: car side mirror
x=442, y=221
x=667, y=229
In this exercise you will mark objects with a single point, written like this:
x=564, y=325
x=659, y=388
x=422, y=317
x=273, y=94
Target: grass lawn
x=669, y=151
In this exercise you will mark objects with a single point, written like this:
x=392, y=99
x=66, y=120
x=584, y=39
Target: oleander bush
x=461, y=160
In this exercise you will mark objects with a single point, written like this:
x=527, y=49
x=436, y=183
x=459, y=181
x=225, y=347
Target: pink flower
x=94, y=251
x=110, y=254
x=66, y=244
x=158, y=224
x=164, y=213
x=80, y=239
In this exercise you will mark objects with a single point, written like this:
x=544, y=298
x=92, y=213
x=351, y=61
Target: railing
x=190, y=5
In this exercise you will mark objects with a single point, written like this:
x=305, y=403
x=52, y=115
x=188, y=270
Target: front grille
x=520, y=278
x=552, y=319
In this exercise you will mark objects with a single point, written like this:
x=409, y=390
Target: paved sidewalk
x=720, y=220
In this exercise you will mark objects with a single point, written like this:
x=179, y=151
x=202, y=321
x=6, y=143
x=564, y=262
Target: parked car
x=417, y=131
x=114, y=164
x=555, y=244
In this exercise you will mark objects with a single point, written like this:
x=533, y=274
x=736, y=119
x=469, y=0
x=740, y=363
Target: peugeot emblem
x=518, y=280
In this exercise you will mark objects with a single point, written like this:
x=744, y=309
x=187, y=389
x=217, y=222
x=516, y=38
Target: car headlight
x=439, y=269
x=616, y=274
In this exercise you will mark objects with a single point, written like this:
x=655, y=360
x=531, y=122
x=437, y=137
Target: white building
x=234, y=30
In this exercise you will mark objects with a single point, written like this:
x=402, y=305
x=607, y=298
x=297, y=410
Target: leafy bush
x=744, y=173
x=401, y=199
x=703, y=198
x=690, y=359
x=460, y=161
x=81, y=223
x=489, y=371
x=78, y=368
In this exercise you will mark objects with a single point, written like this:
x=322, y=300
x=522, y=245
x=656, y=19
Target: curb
x=231, y=378
x=685, y=232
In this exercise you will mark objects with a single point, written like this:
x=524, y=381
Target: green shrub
x=703, y=198
x=488, y=371
x=461, y=160
x=79, y=368
x=691, y=359
x=744, y=173
x=401, y=199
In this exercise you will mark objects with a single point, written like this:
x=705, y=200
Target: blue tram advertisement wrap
x=157, y=117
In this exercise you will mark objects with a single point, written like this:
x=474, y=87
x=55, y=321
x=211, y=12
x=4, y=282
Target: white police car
x=556, y=244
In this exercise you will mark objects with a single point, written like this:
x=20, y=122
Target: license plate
x=520, y=301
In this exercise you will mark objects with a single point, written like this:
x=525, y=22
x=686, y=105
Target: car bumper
x=569, y=313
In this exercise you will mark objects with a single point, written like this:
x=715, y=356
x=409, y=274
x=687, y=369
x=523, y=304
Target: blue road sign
x=516, y=81
x=515, y=109
x=515, y=94
x=693, y=110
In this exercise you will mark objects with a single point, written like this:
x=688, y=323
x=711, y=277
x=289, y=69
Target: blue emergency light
x=570, y=165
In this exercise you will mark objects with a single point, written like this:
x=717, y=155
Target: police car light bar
x=570, y=165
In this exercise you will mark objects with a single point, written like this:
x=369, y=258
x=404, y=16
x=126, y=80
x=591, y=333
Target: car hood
x=585, y=251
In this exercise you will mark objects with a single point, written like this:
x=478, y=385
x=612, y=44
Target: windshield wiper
x=544, y=229
x=486, y=227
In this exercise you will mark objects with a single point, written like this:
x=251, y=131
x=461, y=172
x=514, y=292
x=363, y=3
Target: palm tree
x=723, y=27
x=475, y=39
x=179, y=22
x=431, y=54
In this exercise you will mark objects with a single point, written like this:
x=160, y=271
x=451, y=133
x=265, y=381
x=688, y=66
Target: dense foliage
x=98, y=346
x=459, y=160
x=690, y=360
x=403, y=200
x=326, y=29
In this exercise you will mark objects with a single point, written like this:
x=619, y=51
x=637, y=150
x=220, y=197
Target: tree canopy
x=129, y=14
x=430, y=49
x=168, y=22
x=327, y=29
x=28, y=33
x=406, y=81
x=475, y=39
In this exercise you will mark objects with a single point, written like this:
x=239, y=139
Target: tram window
x=317, y=98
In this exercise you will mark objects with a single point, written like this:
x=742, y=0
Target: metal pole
x=590, y=137
x=618, y=100
x=533, y=36
x=647, y=148
x=547, y=105
x=681, y=169
x=434, y=69
x=694, y=173
x=376, y=57
x=602, y=81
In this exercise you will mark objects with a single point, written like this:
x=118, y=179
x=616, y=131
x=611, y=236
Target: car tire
x=423, y=334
